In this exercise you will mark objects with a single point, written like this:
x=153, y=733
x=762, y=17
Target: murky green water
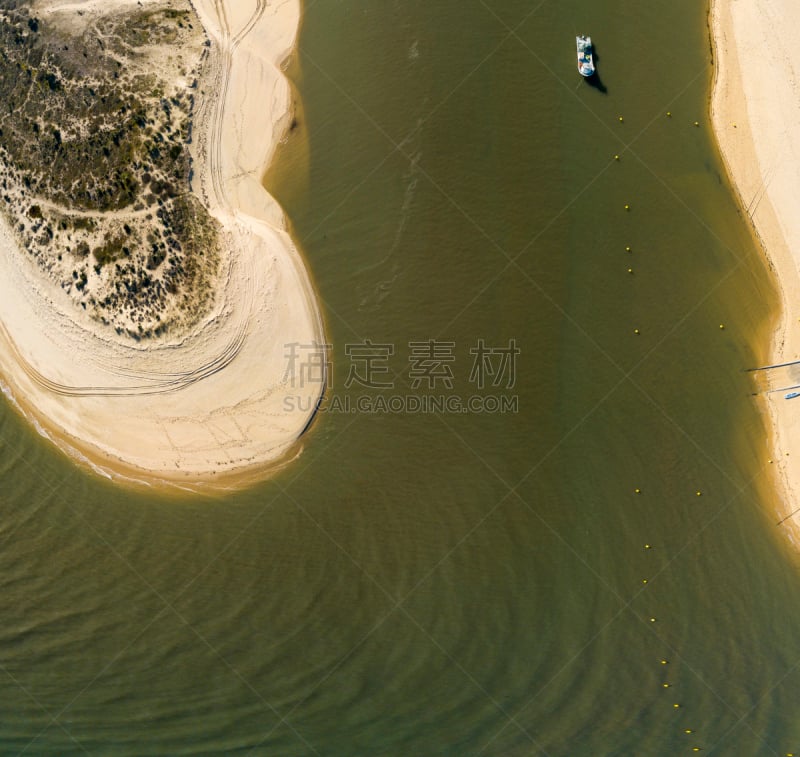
x=456, y=583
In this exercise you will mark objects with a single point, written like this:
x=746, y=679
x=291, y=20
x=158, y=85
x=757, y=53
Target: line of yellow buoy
x=669, y=115
x=664, y=661
x=627, y=207
x=698, y=493
x=665, y=684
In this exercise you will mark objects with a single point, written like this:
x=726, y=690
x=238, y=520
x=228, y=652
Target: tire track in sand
x=155, y=382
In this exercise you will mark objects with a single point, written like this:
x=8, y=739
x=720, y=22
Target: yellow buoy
x=647, y=546
x=636, y=331
x=699, y=494
x=688, y=730
x=722, y=325
x=616, y=157
x=627, y=207
x=665, y=685
x=676, y=705
x=696, y=123
x=637, y=491
x=652, y=620
x=627, y=249
x=644, y=580
x=695, y=748
x=669, y=114
x=630, y=270
x=664, y=662
x=621, y=119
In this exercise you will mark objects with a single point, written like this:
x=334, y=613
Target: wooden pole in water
x=777, y=365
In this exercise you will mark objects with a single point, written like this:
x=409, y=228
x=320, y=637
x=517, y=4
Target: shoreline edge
x=753, y=101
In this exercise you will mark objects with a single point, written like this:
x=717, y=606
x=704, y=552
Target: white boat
x=585, y=59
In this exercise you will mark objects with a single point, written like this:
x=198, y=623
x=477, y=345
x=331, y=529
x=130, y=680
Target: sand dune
x=218, y=404
x=756, y=112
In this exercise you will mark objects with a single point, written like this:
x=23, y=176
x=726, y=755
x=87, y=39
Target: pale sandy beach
x=217, y=403
x=756, y=117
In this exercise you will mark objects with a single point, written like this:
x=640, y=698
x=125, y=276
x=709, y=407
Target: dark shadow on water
x=594, y=81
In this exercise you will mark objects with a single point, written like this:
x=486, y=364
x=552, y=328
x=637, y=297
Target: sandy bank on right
x=756, y=117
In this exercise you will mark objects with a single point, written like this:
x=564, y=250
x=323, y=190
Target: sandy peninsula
x=223, y=401
x=756, y=117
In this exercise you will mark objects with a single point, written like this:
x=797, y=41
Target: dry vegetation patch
x=95, y=121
